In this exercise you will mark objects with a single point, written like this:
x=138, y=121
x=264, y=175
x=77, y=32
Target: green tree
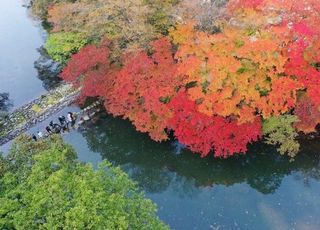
x=45, y=187
x=160, y=15
x=280, y=131
x=60, y=46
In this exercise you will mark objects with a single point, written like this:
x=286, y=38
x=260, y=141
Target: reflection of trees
x=4, y=101
x=155, y=166
x=48, y=70
x=5, y=105
x=308, y=173
x=157, y=179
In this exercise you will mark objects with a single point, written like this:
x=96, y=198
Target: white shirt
x=40, y=134
x=69, y=118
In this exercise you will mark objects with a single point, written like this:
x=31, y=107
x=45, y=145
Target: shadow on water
x=156, y=165
x=5, y=102
x=5, y=105
x=48, y=70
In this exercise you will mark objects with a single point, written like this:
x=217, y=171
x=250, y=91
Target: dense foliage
x=219, y=80
x=43, y=186
x=61, y=45
x=128, y=23
x=40, y=7
x=280, y=131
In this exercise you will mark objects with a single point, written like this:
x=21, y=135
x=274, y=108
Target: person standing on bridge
x=48, y=129
x=62, y=120
x=56, y=128
x=71, y=119
x=40, y=134
x=63, y=123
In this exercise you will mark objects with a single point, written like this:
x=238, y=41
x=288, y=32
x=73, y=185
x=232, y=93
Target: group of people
x=65, y=123
x=55, y=128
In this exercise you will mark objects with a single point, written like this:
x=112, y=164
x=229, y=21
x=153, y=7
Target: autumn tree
x=255, y=66
x=40, y=7
x=203, y=12
x=308, y=115
x=296, y=24
x=90, y=69
x=125, y=22
x=140, y=91
x=143, y=88
x=214, y=88
x=161, y=14
x=203, y=133
x=233, y=73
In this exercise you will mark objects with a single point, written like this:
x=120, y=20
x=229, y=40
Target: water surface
x=20, y=37
x=261, y=190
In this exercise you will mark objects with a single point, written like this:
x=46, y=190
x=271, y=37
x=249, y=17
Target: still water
x=20, y=37
x=258, y=191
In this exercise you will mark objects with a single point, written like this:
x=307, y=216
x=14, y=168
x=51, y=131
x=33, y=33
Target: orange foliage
x=236, y=74
x=215, y=89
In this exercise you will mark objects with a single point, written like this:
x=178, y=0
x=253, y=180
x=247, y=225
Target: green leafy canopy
x=60, y=46
x=45, y=187
x=280, y=131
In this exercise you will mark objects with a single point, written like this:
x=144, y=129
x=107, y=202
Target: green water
x=258, y=191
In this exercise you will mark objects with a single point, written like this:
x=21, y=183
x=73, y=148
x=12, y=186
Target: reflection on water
x=262, y=168
x=20, y=38
x=261, y=189
x=5, y=105
x=48, y=70
x=5, y=102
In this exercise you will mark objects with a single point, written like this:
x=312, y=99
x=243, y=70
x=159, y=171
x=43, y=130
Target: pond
x=261, y=190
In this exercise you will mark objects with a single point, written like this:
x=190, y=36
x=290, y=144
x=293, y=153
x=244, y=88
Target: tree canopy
x=249, y=68
x=61, y=45
x=43, y=186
